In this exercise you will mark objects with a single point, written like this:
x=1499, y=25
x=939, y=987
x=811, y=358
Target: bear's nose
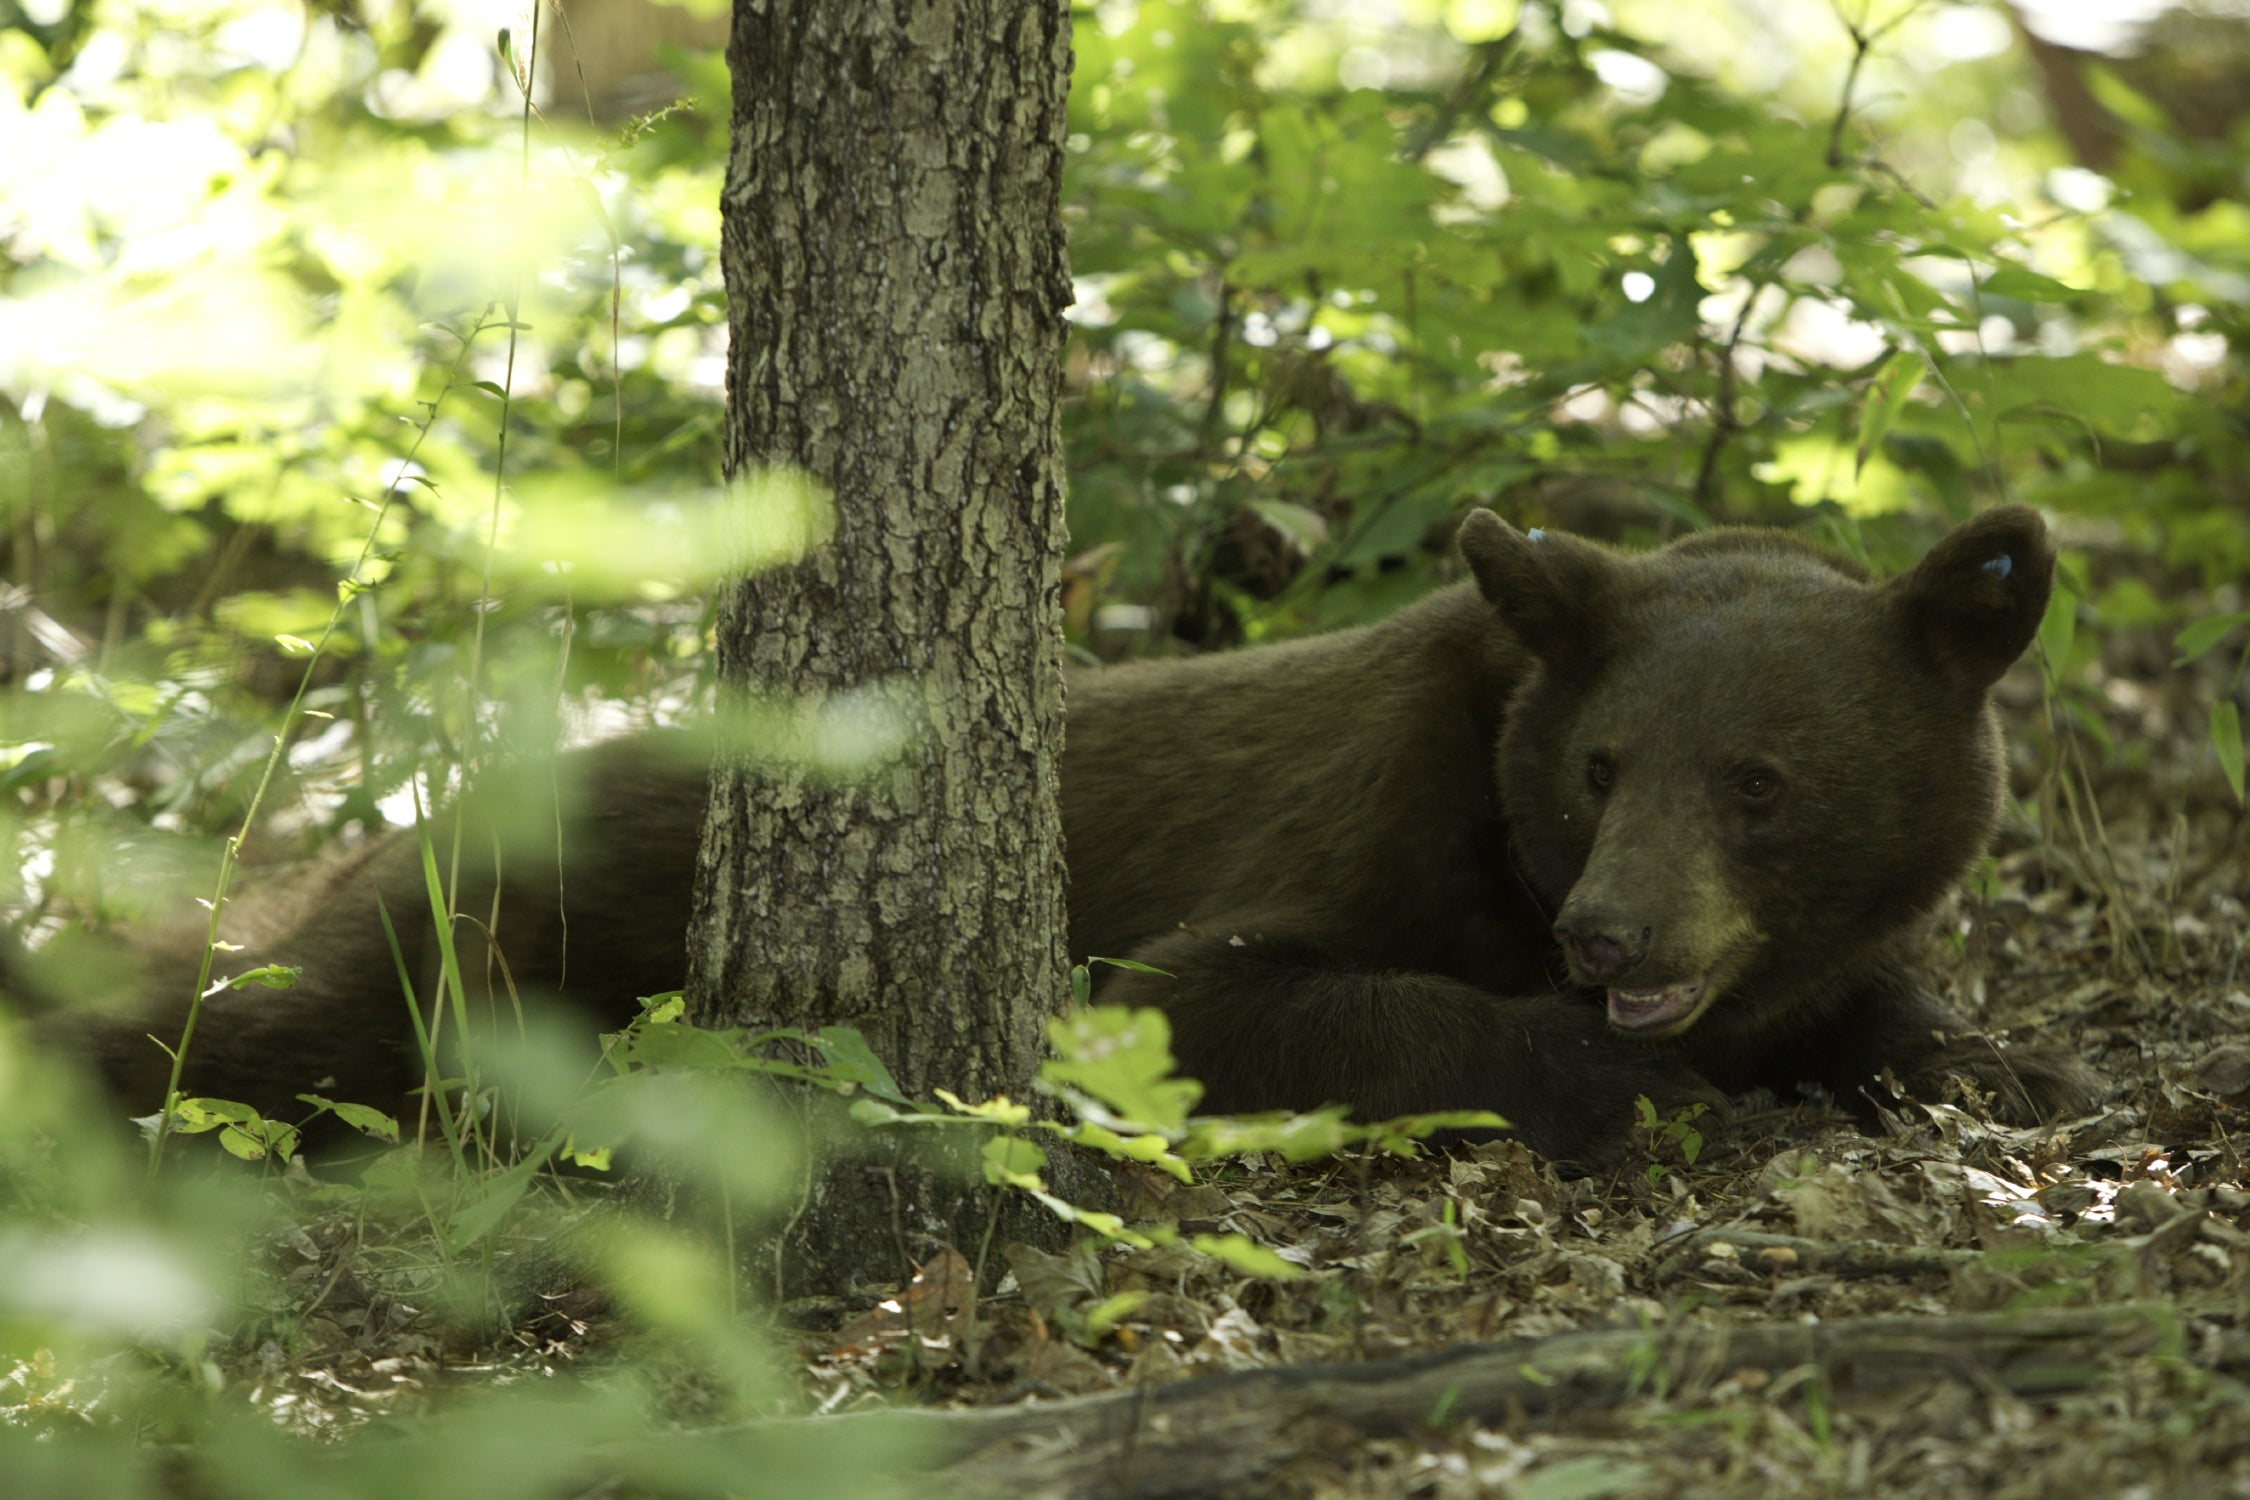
x=1603, y=951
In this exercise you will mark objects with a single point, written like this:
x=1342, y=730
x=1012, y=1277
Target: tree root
x=1223, y=1432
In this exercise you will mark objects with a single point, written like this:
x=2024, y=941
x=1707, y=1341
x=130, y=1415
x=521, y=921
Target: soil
x=2112, y=919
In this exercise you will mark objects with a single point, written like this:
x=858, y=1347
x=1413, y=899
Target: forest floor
x=1750, y=1283
x=2121, y=932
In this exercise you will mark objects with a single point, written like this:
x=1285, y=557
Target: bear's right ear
x=1546, y=587
x=1975, y=600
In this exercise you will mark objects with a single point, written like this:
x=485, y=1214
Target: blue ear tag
x=1999, y=567
x=1536, y=534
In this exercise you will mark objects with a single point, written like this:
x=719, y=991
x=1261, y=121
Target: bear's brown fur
x=1724, y=783
x=600, y=926
x=1594, y=826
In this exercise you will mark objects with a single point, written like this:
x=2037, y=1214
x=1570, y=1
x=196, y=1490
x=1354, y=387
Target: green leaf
x=2026, y=285
x=1154, y=1150
x=1124, y=1059
x=1127, y=963
x=249, y=1145
x=1592, y=1478
x=293, y=645
x=243, y=1132
x=851, y=1060
x=1398, y=1136
x=1000, y=1111
x=2059, y=630
x=674, y=1044
x=874, y=1113
x=669, y=1006
x=364, y=1118
x=2204, y=634
x=2226, y=738
x=194, y=1116
x=483, y=1213
x=594, y=1158
x=1297, y=1137
x=1109, y=1312
x=1305, y=527
x=2098, y=394
x=2126, y=102
x=272, y=976
x=1107, y=1225
x=1010, y=1160
x=1888, y=392
x=1240, y=1253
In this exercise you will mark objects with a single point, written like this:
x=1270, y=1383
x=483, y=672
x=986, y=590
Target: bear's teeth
x=1645, y=1009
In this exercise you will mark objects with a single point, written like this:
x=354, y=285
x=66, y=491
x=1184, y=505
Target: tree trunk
x=894, y=259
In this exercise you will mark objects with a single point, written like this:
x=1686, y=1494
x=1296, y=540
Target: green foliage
x=1124, y=1060
x=354, y=427
x=1333, y=288
x=669, y=1092
x=242, y=1130
x=1446, y=1235
x=1319, y=318
x=1112, y=1070
x=1669, y=1135
x=2226, y=718
x=2226, y=739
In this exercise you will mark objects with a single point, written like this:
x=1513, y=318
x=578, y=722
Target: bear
x=589, y=916
x=1587, y=826
x=1591, y=826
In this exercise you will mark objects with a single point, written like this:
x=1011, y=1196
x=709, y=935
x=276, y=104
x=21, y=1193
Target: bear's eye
x=1600, y=772
x=1758, y=786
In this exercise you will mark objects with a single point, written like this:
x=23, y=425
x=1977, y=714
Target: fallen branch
x=1223, y=1431
x=1784, y=1254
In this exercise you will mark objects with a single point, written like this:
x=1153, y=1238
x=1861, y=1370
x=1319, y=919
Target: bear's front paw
x=2026, y=1085
x=1598, y=1125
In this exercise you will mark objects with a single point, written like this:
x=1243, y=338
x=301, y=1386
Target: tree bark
x=894, y=257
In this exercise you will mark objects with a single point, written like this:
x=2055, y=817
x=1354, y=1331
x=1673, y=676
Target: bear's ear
x=1975, y=600
x=1546, y=587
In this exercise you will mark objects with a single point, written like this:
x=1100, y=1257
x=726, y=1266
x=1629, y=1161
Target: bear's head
x=1737, y=766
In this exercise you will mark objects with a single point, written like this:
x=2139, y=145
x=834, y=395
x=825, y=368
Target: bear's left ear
x=1975, y=600
x=1551, y=590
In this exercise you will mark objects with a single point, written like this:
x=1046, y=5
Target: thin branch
x=1467, y=95
x=1863, y=43
x=1723, y=422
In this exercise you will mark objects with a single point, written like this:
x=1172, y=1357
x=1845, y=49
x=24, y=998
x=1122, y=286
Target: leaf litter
x=2132, y=950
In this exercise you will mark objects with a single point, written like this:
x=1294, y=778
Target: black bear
x=1598, y=825
x=1594, y=826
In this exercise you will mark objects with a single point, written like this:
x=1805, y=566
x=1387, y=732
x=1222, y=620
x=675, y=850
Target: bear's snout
x=1604, y=946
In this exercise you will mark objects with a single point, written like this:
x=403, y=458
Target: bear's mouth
x=1659, y=1010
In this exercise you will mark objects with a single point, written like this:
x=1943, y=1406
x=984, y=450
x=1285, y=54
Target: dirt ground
x=2114, y=919
x=2120, y=929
